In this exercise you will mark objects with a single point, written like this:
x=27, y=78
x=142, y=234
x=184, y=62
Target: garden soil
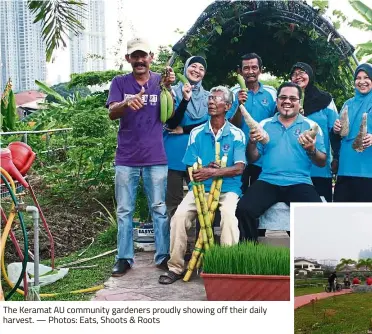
x=73, y=224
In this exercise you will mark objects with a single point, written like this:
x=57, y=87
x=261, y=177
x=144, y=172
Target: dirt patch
x=73, y=223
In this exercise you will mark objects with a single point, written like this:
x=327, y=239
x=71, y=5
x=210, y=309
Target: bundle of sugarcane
x=358, y=141
x=207, y=214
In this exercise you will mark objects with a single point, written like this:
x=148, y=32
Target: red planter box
x=224, y=287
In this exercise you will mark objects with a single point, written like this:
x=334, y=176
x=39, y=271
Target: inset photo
x=332, y=268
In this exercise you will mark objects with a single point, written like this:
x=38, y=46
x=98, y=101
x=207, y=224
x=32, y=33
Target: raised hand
x=135, y=102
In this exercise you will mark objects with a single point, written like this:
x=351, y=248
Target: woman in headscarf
x=191, y=102
x=354, y=181
x=319, y=107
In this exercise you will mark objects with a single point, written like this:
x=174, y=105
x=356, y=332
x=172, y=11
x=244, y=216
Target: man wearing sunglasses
x=286, y=161
x=202, y=144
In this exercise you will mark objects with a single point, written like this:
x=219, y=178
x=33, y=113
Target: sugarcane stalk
x=194, y=258
x=218, y=161
x=198, y=206
x=200, y=261
x=204, y=207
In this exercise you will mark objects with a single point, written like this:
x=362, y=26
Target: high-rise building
x=22, y=50
x=88, y=50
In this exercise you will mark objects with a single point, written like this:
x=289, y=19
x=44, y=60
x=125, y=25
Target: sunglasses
x=285, y=97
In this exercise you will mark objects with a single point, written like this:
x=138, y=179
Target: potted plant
x=247, y=271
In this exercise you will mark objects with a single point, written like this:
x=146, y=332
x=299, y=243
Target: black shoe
x=164, y=264
x=120, y=268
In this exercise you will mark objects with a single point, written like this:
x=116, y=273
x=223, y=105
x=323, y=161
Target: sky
x=332, y=231
x=158, y=20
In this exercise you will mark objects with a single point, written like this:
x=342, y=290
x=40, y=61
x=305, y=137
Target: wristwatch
x=311, y=153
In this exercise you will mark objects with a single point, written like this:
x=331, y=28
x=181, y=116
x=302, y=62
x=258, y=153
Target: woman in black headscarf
x=319, y=107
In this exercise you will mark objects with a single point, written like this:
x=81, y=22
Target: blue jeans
x=155, y=185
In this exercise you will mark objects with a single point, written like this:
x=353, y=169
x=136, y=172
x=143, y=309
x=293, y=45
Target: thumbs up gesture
x=135, y=103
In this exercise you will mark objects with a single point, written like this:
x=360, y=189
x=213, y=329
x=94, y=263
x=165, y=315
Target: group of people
x=293, y=166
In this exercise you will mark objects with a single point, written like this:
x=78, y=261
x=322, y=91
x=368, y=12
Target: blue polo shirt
x=353, y=163
x=284, y=161
x=202, y=144
x=175, y=145
x=260, y=105
x=325, y=118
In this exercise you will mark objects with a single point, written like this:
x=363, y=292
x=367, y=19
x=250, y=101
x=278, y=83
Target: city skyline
x=92, y=41
x=22, y=55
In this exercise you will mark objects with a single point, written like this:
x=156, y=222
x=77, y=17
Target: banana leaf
x=362, y=9
x=51, y=91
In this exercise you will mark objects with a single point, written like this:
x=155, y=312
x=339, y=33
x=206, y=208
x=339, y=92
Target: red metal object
x=224, y=287
x=22, y=156
x=18, y=249
x=7, y=163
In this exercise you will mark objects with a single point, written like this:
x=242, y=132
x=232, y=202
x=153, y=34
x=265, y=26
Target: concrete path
x=141, y=283
x=306, y=299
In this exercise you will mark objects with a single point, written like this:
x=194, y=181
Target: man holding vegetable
x=259, y=100
x=134, y=99
x=286, y=160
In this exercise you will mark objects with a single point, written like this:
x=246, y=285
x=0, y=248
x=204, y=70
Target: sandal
x=169, y=277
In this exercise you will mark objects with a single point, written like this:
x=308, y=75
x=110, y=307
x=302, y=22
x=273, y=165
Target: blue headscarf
x=198, y=104
x=359, y=104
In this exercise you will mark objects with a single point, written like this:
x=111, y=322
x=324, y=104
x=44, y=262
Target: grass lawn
x=342, y=315
x=77, y=279
x=308, y=290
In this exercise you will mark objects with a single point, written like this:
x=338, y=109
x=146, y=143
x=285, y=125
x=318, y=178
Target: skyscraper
x=88, y=50
x=22, y=50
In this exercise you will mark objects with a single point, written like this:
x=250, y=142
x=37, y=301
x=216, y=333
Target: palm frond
x=58, y=18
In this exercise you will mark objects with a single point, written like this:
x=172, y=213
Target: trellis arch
x=281, y=32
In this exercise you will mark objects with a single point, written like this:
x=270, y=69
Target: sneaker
x=120, y=268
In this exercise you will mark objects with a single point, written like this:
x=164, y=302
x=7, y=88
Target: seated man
x=286, y=161
x=201, y=144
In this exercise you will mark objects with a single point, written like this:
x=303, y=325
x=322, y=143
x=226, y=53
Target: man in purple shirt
x=134, y=99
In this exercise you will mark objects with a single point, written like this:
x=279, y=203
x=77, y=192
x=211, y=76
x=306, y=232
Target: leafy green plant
x=364, y=49
x=8, y=115
x=247, y=258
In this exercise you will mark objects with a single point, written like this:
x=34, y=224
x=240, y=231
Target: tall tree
x=58, y=18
